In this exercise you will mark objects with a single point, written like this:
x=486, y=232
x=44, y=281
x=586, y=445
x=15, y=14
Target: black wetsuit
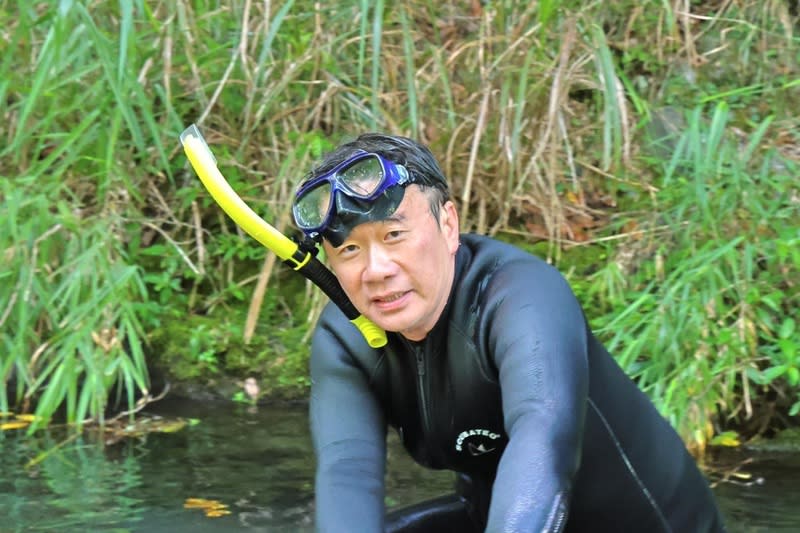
x=512, y=390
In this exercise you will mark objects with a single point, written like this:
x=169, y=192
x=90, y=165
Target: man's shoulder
x=493, y=267
x=334, y=326
x=492, y=251
x=337, y=342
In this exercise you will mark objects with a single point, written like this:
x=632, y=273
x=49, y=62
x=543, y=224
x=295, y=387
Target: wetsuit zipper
x=423, y=396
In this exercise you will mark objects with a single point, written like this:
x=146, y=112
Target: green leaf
x=726, y=438
x=787, y=329
x=774, y=372
x=793, y=376
x=788, y=349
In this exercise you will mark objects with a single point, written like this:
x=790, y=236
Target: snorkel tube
x=303, y=261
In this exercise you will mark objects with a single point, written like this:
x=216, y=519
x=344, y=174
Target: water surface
x=257, y=464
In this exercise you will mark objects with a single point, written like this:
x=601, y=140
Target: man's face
x=398, y=272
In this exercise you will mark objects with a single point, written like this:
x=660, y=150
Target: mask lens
x=311, y=209
x=364, y=178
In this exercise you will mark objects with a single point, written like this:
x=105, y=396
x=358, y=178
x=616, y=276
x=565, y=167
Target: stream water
x=246, y=468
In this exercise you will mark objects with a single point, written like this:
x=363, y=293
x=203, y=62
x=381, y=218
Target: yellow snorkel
x=205, y=164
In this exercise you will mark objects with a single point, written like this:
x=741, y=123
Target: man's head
x=382, y=208
x=333, y=192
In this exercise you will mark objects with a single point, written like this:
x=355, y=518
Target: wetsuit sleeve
x=348, y=431
x=537, y=336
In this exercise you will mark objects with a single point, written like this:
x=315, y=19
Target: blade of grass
x=411, y=74
x=612, y=116
x=375, y=81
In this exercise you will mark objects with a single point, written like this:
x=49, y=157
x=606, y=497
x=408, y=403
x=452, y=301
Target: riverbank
x=648, y=150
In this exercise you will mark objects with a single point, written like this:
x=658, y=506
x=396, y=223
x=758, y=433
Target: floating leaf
x=198, y=503
x=212, y=508
x=726, y=438
x=6, y=414
x=27, y=418
x=14, y=425
x=171, y=426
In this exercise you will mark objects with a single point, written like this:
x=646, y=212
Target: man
x=490, y=371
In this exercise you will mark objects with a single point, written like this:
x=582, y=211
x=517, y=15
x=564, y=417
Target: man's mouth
x=389, y=298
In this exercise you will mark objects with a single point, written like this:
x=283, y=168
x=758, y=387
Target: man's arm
x=348, y=430
x=537, y=335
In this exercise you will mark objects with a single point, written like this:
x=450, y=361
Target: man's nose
x=380, y=264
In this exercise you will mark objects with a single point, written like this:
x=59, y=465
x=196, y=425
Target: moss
x=787, y=440
x=206, y=350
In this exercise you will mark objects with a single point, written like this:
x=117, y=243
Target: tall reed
x=70, y=325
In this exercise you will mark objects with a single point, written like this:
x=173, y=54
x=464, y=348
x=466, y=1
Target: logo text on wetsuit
x=474, y=449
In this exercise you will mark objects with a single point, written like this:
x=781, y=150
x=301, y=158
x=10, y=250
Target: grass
x=543, y=114
x=71, y=330
x=696, y=332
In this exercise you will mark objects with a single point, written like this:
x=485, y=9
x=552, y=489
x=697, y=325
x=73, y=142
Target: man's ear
x=448, y=223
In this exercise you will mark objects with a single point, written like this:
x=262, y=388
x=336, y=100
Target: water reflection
x=258, y=465
x=769, y=500
x=76, y=487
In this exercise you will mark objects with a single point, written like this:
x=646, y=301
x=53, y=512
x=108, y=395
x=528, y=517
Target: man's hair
x=417, y=158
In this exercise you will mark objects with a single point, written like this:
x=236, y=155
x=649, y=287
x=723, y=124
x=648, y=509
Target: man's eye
x=394, y=234
x=348, y=249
